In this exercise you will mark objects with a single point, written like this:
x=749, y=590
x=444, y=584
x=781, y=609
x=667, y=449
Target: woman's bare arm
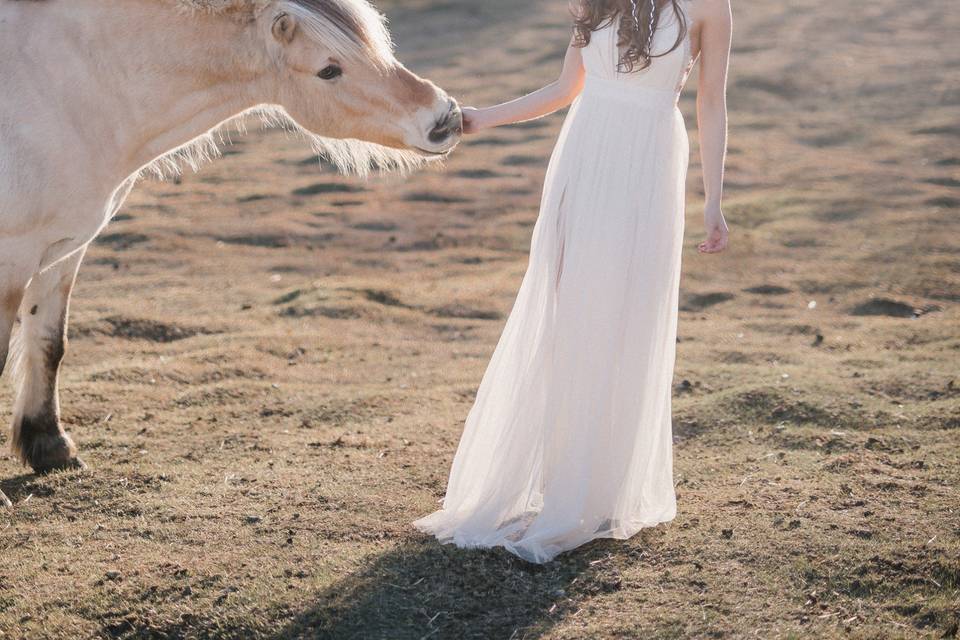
x=715, y=40
x=550, y=98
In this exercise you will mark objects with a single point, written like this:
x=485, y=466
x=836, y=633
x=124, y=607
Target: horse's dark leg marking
x=38, y=439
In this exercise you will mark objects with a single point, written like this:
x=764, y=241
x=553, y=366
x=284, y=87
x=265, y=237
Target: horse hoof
x=71, y=464
x=5, y=501
x=46, y=454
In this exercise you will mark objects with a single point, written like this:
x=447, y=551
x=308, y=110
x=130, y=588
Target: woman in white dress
x=570, y=436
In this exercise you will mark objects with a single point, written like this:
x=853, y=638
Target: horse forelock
x=349, y=27
x=222, y=6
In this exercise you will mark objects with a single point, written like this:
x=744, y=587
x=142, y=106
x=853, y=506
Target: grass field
x=270, y=365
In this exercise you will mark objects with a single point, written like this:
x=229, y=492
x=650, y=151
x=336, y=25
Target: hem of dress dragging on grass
x=528, y=550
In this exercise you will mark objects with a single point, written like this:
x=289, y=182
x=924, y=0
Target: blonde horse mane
x=350, y=157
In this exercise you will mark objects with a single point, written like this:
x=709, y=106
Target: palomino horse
x=97, y=91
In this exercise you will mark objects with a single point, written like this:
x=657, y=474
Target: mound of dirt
x=151, y=330
x=701, y=301
x=891, y=308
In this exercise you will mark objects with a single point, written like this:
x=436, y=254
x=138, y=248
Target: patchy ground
x=270, y=366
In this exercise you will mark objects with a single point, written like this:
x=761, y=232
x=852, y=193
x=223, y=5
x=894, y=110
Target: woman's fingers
x=470, y=120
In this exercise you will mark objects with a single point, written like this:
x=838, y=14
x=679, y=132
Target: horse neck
x=168, y=76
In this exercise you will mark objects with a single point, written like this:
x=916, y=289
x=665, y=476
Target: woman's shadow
x=421, y=589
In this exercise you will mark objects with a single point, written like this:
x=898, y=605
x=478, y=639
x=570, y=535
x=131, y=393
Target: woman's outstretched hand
x=472, y=120
x=718, y=235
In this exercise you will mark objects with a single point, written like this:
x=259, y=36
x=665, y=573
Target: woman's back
x=668, y=72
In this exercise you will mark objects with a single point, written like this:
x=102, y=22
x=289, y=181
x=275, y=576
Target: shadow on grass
x=423, y=590
x=20, y=487
x=418, y=590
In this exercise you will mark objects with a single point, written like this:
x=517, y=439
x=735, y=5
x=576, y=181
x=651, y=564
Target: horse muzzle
x=445, y=131
x=449, y=126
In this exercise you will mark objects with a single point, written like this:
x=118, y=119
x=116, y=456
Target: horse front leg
x=38, y=438
x=10, y=297
x=11, y=293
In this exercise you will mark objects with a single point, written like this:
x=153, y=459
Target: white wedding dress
x=570, y=438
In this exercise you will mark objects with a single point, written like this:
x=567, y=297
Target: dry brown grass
x=270, y=366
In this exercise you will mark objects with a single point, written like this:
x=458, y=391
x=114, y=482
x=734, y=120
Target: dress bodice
x=667, y=73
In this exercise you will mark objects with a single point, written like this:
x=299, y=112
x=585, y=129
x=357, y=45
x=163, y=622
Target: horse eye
x=331, y=72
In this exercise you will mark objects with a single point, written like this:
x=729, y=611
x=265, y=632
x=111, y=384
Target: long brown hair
x=634, y=42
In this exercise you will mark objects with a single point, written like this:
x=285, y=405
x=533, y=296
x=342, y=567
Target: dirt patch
x=121, y=241
x=322, y=188
x=465, y=311
x=700, y=301
x=767, y=290
x=439, y=198
x=891, y=308
x=266, y=241
x=141, y=329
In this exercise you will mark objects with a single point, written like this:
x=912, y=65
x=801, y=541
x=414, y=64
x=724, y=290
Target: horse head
x=337, y=77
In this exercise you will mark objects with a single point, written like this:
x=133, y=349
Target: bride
x=570, y=436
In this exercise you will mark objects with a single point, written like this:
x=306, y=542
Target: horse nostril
x=439, y=133
x=451, y=123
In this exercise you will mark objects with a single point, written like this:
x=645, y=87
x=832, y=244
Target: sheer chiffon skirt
x=570, y=435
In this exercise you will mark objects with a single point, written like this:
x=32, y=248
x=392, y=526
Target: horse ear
x=284, y=27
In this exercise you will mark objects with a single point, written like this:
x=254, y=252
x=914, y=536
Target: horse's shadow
x=421, y=589
x=20, y=487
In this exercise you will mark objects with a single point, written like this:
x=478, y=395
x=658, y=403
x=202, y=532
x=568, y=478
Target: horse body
x=97, y=91
x=128, y=82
